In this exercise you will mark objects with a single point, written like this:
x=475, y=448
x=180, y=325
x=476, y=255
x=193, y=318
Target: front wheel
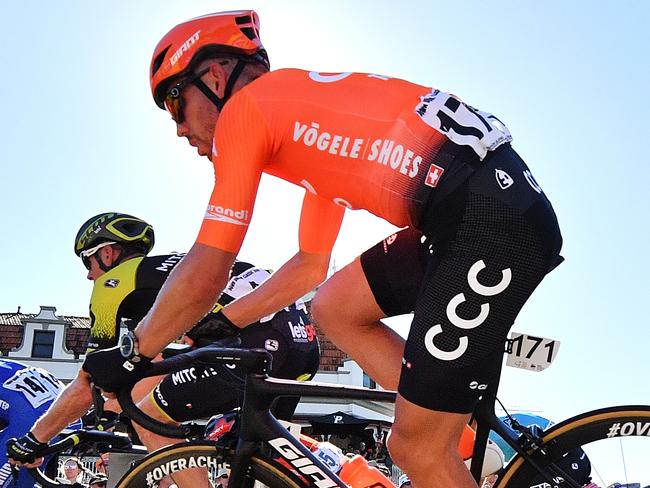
x=616, y=442
x=175, y=459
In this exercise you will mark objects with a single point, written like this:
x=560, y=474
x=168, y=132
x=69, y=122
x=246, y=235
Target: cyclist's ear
x=109, y=254
x=219, y=79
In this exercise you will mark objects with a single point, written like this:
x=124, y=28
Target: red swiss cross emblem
x=434, y=175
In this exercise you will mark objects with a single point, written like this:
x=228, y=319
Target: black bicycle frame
x=259, y=425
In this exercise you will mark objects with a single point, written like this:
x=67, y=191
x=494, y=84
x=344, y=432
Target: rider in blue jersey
x=25, y=394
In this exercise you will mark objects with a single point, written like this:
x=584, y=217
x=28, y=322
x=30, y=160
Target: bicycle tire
x=264, y=470
x=579, y=431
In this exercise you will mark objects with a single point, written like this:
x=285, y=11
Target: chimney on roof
x=18, y=309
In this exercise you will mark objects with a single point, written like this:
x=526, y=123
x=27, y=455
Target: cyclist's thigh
x=190, y=393
x=346, y=299
x=497, y=251
x=394, y=269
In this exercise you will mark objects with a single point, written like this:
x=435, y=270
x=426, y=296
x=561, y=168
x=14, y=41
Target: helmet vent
x=249, y=32
x=245, y=19
x=155, y=66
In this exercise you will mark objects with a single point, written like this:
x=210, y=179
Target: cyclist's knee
x=402, y=443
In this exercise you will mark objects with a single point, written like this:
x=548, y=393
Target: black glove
x=25, y=449
x=110, y=371
x=213, y=327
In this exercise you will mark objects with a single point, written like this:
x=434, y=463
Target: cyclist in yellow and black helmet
x=114, y=248
x=131, y=235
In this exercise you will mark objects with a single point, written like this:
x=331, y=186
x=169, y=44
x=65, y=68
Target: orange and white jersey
x=352, y=140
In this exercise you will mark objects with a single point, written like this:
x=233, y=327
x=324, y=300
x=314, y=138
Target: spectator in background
x=73, y=472
x=99, y=480
x=222, y=478
x=403, y=481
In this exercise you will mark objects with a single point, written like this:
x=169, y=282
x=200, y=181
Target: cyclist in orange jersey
x=413, y=155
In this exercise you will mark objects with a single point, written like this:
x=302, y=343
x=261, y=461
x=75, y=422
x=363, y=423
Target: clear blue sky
x=81, y=135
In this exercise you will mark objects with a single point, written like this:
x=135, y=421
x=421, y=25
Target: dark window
x=43, y=345
x=368, y=382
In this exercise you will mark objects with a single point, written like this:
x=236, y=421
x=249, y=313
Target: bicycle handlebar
x=254, y=360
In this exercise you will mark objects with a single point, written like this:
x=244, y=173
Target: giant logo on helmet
x=92, y=230
x=185, y=47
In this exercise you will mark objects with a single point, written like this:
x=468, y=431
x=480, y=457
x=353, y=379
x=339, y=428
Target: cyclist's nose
x=181, y=130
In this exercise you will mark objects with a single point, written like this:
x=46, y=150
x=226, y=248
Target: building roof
x=12, y=326
x=19, y=319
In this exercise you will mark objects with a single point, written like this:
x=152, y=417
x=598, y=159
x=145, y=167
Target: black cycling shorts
x=488, y=245
x=191, y=393
x=394, y=269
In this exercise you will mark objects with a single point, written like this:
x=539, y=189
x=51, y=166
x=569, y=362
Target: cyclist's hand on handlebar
x=25, y=450
x=213, y=327
x=110, y=370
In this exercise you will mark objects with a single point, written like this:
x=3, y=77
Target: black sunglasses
x=173, y=100
x=86, y=261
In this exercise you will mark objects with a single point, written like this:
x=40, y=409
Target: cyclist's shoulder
x=115, y=284
x=159, y=265
x=26, y=387
x=285, y=77
x=134, y=274
x=9, y=367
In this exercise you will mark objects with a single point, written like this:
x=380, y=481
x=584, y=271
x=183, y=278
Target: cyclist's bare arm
x=72, y=403
x=187, y=296
x=301, y=274
x=320, y=221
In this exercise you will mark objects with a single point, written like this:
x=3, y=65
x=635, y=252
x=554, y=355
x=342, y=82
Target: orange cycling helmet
x=183, y=47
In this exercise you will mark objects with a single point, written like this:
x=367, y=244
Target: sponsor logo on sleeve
x=169, y=263
x=228, y=215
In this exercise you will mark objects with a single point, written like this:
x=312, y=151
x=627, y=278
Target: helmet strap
x=105, y=268
x=232, y=79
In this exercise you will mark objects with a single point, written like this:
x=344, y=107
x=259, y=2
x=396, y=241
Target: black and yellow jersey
x=126, y=292
x=129, y=290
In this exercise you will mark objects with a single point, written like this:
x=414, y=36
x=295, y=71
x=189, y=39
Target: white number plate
x=533, y=353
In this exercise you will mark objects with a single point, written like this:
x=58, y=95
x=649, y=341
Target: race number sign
x=530, y=352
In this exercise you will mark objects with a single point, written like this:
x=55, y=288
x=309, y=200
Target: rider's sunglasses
x=173, y=100
x=86, y=261
x=85, y=255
